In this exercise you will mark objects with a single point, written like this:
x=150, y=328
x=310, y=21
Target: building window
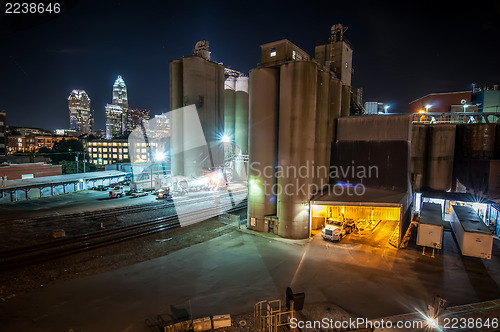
x=125, y=150
x=294, y=54
x=94, y=149
x=94, y=155
x=273, y=52
x=114, y=149
x=115, y=156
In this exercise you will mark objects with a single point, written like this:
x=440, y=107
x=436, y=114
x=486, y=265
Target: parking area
x=230, y=273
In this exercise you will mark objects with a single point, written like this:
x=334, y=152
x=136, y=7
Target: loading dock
x=383, y=211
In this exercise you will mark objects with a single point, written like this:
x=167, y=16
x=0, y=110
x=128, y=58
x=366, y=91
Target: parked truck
x=116, y=191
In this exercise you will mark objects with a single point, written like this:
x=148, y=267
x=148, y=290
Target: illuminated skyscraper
x=80, y=115
x=114, y=121
x=120, y=93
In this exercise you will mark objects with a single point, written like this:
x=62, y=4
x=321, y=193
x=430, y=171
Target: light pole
x=427, y=108
x=386, y=107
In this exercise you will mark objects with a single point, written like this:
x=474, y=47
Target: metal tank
x=229, y=106
x=323, y=142
x=477, y=141
x=262, y=145
x=335, y=107
x=418, y=155
x=241, y=114
x=176, y=132
x=441, y=148
x=296, y=145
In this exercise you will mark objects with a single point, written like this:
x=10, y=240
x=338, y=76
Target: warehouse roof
x=59, y=179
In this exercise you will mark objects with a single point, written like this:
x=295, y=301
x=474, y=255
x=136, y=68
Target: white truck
x=336, y=230
x=116, y=191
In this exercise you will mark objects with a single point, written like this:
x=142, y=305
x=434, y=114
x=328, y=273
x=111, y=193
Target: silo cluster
x=442, y=154
x=293, y=108
x=236, y=104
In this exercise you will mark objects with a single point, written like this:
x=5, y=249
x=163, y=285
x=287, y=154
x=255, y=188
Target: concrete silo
x=195, y=80
x=441, y=149
x=262, y=145
x=176, y=102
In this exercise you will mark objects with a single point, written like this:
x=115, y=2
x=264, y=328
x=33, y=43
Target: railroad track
x=113, y=212
x=15, y=258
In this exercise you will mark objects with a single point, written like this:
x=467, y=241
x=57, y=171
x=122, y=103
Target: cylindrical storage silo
x=323, y=142
x=441, y=148
x=262, y=145
x=229, y=106
x=478, y=141
x=176, y=124
x=346, y=100
x=241, y=114
x=335, y=107
x=296, y=145
x=418, y=155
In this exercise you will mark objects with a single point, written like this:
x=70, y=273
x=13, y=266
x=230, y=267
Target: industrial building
x=294, y=104
x=81, y=118
x=220, y=96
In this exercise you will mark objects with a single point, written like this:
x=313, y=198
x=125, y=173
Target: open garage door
x=373, y=225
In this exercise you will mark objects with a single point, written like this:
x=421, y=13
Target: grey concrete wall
x=441, y=149
x=374, y=128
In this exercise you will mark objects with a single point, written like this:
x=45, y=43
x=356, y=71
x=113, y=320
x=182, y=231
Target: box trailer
x=430, y=226
x=473, y=236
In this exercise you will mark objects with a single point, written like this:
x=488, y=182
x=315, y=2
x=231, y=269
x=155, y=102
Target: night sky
x=401, y=51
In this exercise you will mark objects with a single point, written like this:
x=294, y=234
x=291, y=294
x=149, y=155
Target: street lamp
x=427, y=107
x=225, y=138
x=386, y=107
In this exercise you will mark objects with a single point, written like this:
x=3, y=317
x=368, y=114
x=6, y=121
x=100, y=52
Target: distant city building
x=80, y=116
x=13, y=130
x=66, y=132
x=133, y=118
x=3, y=133
x=114, y=121
x=32, y=142
x=162, y=125
x=121, y=120
x=120, y=93
x=107, y=151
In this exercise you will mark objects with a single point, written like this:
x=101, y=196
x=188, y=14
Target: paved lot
x=229, y=274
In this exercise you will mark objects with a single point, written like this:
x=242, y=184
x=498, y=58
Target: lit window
x=105, y=150
x=294, y=54
x=120, y=156
x=105, y=156
x=94, y=155
x=144, y=157
x=114, y=149
x=105, y=162
x=125, y=150
x=115, y=156
x=90, y=149
x=143, y=150
x=94, y=149
x=273, y=52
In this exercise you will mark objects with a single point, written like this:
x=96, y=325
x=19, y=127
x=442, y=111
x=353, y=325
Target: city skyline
x=425, y=47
